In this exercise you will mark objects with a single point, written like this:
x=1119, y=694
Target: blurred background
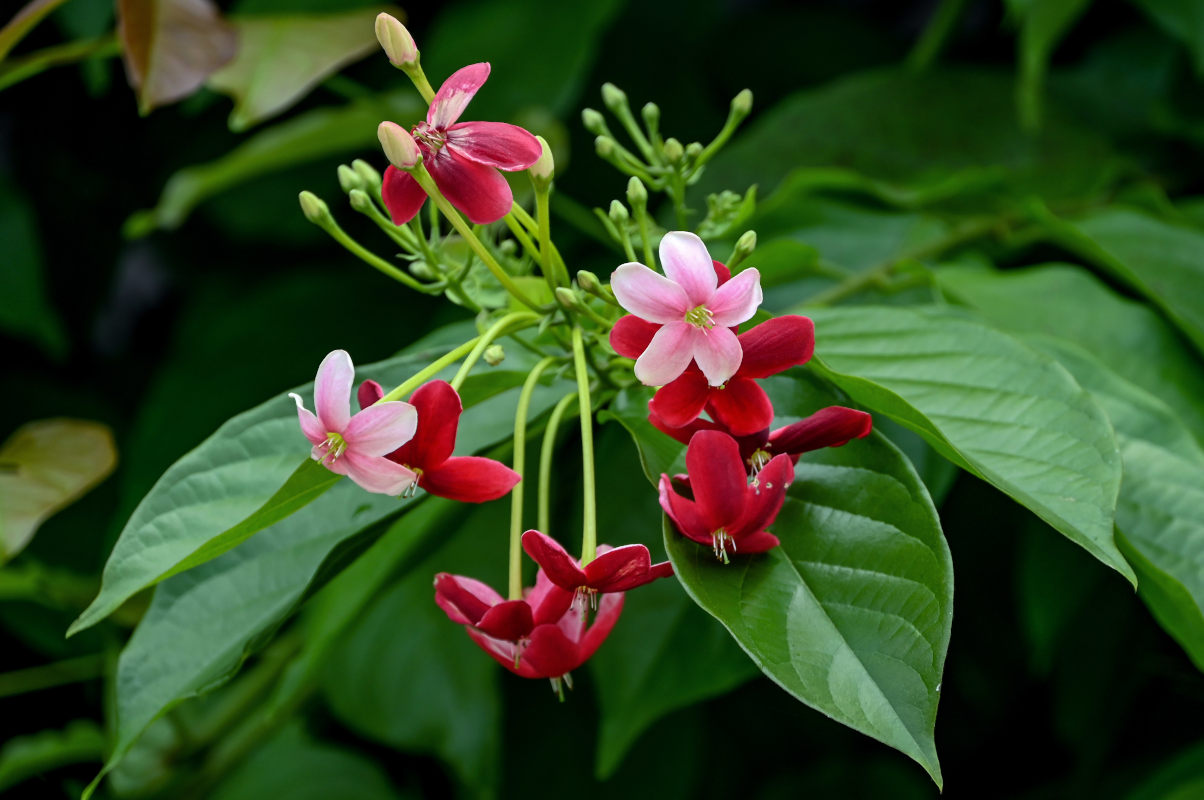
x=157, y=276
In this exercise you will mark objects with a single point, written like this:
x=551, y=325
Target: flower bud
x=313, y=207
x=746, y=243
x=544, y=167
x=494, y=355
x=673, y=150
x=367, y=172
x=422, y=270
x=400, y=147
x=604, y=146
x=651, y=113
x=637, y=194
x=618, y=212
x=693, y=150
x=359, y=200
x=742, y=104
x=567, y=298
x=348, y=179
x=593, y=121
x=614, y=97
x=395, y=40
x=588, y=281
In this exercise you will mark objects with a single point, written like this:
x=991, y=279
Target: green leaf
x=1069, y=303
x=1183, y=19
x=23, y=22
x=1159, y=259
x=990, y=404
x=281, y=58
x=25, y=311
x=1181, y=777
x=851, y=614
x=658, y=453
x=44, y=466
x=295, y=766
x=1043, y=23
x=171, y=47
x=24, y=757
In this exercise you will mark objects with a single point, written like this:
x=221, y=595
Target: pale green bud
x=349, y=179
x=314, y=208
x=399, y=146
x=588, y=281
x=614, y=97
x=359, y=200
x=604, y=146
x=693, y=150
x=367, y=172
x=567, y=298
x=651, y=113
x=618, y=212
x=396, y=41
x=673, y=150
x=742, y=103
x=494, y=355
x=421, y=269
x=593, y=121
x=544, y=167
x=746, y=243
x=637, y=193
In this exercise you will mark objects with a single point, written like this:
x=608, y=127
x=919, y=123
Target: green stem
x=589, y=522
x=641, y=218
x=557, y=273
x=48, y=676
x=373, y=260
x=936, y=33
x=520, y=233
x=437, y=366
x=507, y=324
x=453, y=216
x=516, y=494
x=519, y=213
x=580, y=217
x=545, y=461
x=19, y=69
x=418, y=76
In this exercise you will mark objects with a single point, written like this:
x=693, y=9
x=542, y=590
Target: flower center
x=412, y=489
x=433, y=138
x=586, y=595
x=758, y=460
x=720, y=541
x=701, y=317
x=334, y=446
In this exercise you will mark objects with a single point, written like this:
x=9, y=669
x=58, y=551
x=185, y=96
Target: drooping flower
x=428, y=455
x=463, y=158
x=355, y=446
x=616, y=569
x=727, y=511
x=694, y=314
x=467, y=601
x=740, y=404
x=829, y=427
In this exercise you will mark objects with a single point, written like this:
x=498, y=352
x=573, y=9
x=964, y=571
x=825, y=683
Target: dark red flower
x=829, y=427
x=616, y=569
x=741, y=405
x=464, y=158
x=468, y=479
x=467, y=601
x=728, y=512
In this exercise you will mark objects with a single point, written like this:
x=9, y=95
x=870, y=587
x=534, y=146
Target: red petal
x=721, y=272
x=495, y=144
x=679, y=402
x=558, y=565
x=511, y=619
x=402, y=195
x=549, y=653
x=717, y=476
x=684, y=433
x=619, y=569
x=609, y=609
x=464, y=600
x=503, y=652
x=547, y=600
x=479, y=191
x=454, y=95
x=369, y=392
x=684, y=513
x=776, y=345
x=469, y=479
x=765, y=500
x=661, y=570
x=828, y=427
x=741, y=405
x=439, y=410
x=631, y=335
x=758, y=543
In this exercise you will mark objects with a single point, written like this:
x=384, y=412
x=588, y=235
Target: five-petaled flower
x=428, y=455
x=355, y=446
x=616, y=569
x=740, y=404
x=462, y=158
x=694, y=314
x=727, y=512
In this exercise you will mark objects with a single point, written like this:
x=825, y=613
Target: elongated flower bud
x=614, y=97
x=673, y=150
x=742, y=104
x=588, y=281
x=593, y=121
x=651, y=113
x=618, y=212
x=746, y=243
x=395, y=40
x=400, y=147
x=637, y=193
x=314, y=208
x=359, y=200
x=544, y=167
x=367, y=172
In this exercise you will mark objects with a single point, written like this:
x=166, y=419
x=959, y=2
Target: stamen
x=334, y=446
x=701, y=317
x=412, y=489
x=579, y=599
x=757, y=461
x=720, y=540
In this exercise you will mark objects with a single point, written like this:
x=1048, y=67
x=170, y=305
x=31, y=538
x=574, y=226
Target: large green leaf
x=990, y=404
x=1159, y=259
x=1180, y=777
x=25, y=311
x=1183, y=19
x=281, y=58
x=852, y=613
x=658, y=453
x=1069, y=303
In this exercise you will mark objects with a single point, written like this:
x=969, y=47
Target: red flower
x=741, y=405
x=727, y=511
x=616, y=569
x=468, y=479
x=829, y=427
x=462, y=158
x=467, y=601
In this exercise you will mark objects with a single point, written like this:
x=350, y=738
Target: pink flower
x=469, y=602
x=740, y=404
x=467, y=479
x=355, y=445
x=694, y=313
x=616, y=569
x=463, y=158
x=727, y=512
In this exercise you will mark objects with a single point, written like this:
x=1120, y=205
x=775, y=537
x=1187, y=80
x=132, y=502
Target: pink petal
x=402, y=195
x=381, y=428
x=464, y=600
x=688, y=264
x=454, y=95
x=619, y=569
x=469, y=479
x=669, y=353
x=718, y=354
x=556, y=563
x=504, y=652
x=373, y=473
x=737, y=300
x=648, y=295
x=679, y=402
x=477, y=190
x=439, y=408
x=742, y=406
x=828, y=427
x=776, y=345
x=630, y=335
x=309, y=423
x=495, y=144
x=332, y=391
x=717, y=478
x=369, y=392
